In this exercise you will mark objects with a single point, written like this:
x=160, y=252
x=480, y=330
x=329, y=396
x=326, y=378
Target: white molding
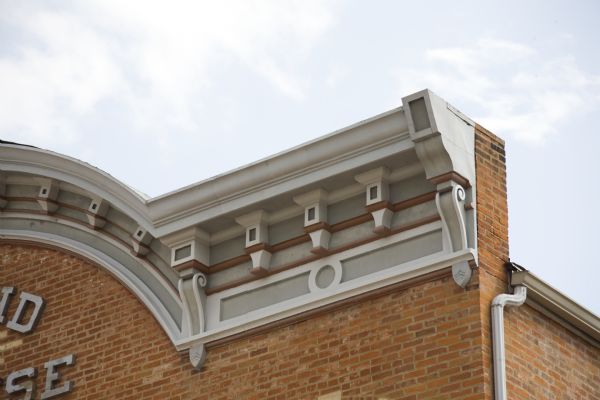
x=337, y=277
x=116, y=269
x=44, y=163
x=351, y=288
x=217, y=329
x=347, y=152
x=207, y=203
x=324, y=157
x=334, y=197
x=38, y=217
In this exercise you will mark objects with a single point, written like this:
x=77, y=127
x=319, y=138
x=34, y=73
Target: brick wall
x=417, y=343
x=492, y=235
x=420, y=343
x=543, y=359
x=121, y=351
x=546, y=361
x=429, y=341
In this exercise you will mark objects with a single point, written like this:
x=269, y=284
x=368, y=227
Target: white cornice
x=204, y=213
x=559, y=307
x=364, y=142
x=377, y=138
x=347, y=149
x=45, y=163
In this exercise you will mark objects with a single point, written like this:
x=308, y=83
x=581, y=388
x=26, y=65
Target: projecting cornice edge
x=48, y=164
x=559, y=307
x=444, y=138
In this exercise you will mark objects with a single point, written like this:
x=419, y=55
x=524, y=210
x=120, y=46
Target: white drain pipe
x=498, y=304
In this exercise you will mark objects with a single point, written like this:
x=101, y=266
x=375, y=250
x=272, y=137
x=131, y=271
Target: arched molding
x=44, y=163
x=151, y=300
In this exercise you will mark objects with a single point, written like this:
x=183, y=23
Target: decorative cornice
x=443, y=138
x=424, y=135
x=101, y=234
x=280, y=268
x=44, y=163
x=385, y=134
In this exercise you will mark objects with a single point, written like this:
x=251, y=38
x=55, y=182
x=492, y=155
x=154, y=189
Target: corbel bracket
x=377, y=198
x=257, y=240
x=193, y=298
x=450, y=202
x=47, y=195
x=97, y=212
x=444, y=141
x=140, y=242
x=315, y=219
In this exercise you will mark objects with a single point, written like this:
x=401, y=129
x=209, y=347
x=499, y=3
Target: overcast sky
x=152, y=91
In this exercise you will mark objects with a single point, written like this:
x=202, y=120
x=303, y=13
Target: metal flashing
x=557, y=306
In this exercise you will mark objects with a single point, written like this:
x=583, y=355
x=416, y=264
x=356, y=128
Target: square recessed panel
x=420, y=117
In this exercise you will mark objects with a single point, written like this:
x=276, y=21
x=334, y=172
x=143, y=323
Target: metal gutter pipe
x=498, y=304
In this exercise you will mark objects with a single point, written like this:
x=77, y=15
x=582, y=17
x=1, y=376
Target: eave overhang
x=559, y=307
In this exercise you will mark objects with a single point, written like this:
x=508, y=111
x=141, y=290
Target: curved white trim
x=31, y=160
x=55, y=218
x=376, y=138
x=120, y=272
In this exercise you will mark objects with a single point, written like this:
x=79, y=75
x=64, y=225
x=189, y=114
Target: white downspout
x=498, y=304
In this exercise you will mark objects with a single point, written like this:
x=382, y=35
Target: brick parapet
x=492, y=235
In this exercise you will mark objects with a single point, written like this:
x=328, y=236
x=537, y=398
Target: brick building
x=362, y=265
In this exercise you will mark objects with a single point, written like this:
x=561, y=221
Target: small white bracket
x=261, y=261
x=257, y=240
x=383, y=220
x=315, y=219
x=140, y=241
x=47, y=195
x=377, y=194
x=96, y=212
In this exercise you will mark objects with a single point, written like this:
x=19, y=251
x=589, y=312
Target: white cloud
x=516, y=91
x=151, y=60
x=42, y=86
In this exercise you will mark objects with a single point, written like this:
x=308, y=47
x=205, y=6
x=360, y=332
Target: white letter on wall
x=52, y=376
x=7, y=292
x=27, y=386
x=38, y=304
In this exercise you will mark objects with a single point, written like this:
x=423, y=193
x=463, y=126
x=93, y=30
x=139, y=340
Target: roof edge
x=557, y=306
